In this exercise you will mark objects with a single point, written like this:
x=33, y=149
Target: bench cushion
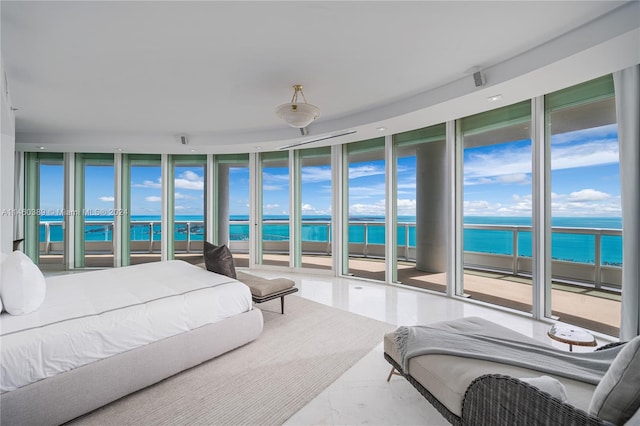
x=262, y=286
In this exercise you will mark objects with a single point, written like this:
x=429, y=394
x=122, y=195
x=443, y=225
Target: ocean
x=565, y=246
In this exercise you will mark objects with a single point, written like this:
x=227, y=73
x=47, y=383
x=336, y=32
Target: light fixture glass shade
x=297, y=114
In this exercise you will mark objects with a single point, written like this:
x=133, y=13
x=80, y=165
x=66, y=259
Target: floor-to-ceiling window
x=421, y=206
x=45, y=209
x=275, y=208
x=188, y=206
x=586, y=239
x=497, y=157
x=231, y=205
x=95, y=200
x=146, y=208
x=315, y=206
x=497, y=197
x=366, y=209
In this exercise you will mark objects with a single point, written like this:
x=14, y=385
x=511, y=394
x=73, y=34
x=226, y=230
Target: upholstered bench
x=263, y=289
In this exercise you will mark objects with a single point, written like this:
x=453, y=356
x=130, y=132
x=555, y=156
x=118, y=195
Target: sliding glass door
x=146, y=208
x=275, y=208
x=366, y=204
x=497, y=200
x=188, y=206
x=586, y=239
x=421, y=205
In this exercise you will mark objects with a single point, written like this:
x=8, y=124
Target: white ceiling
x=94, y=76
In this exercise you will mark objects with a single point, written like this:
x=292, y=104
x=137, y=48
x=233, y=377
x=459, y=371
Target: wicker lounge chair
x=475, y=392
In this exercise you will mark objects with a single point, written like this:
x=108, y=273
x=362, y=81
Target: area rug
x=264, y=382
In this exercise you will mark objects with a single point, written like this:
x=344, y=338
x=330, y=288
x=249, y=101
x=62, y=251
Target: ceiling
x=96, y=76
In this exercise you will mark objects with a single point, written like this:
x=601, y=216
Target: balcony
x=585, y=291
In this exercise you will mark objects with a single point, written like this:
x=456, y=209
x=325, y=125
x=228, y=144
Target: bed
x=101, y=335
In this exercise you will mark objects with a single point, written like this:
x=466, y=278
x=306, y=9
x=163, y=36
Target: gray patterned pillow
x=219, y=259
x=617, y=396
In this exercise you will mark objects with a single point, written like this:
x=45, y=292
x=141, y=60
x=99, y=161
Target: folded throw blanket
x=425, y=340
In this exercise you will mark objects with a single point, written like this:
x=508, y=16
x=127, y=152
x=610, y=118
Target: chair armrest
x=610, y=345
x=495, y=399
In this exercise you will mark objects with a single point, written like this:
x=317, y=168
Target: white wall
x=7, y=148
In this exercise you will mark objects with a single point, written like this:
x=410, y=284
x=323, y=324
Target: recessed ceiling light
x=193, y=150
x=119, y=149
x=41, y=147
x=258, y=148
x=494, y=98
x=382, y=129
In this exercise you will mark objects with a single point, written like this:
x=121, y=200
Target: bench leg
x=392, y=373
x=282, y=305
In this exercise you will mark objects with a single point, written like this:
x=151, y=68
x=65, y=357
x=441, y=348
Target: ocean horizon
x=565, y=246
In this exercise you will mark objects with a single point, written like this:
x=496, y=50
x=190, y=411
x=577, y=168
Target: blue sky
x=585, y=176
x=497, y=182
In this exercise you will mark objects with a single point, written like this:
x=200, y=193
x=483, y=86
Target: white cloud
x=592, y=153
x=153, y=199
x=365, y=170
x=588, y=195
x=316, y=174
x=273, y=177
x=520, y=178
x=470, y=206
x=271, y=206
x=602, y=132
x=148, y=184
x=584, y=203
x=376, y=209
x=359, y=192
x=271, y=188
x=311, y=210
x=407, y=185
x=189, y=180
x=181, y=196
x=486, y=167
x=406, y=207
x=107, y=198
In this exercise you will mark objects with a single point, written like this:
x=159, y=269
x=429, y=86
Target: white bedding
x=90, y=316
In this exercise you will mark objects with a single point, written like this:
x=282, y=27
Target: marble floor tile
x=362, y=395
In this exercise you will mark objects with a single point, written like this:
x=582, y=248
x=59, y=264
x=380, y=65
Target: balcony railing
x=594, y=262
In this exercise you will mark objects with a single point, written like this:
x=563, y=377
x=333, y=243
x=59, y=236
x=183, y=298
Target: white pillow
x=549, y=385
x=22, y=285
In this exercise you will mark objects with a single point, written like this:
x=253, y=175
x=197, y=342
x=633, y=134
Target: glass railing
x=485, y=246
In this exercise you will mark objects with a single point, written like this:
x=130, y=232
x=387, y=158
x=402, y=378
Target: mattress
x=90, y=316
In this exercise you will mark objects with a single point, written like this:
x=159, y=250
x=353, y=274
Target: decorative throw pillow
x=549, y=385
x=219, y=259
x=23, y=286
x=616, y=397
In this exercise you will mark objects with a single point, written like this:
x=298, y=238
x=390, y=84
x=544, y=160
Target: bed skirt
x=61, y=398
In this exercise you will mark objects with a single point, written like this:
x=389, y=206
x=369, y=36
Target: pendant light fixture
x=298, y=114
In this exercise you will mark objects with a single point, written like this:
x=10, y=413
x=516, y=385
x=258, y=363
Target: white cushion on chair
x=549, y=385
x=617, y=396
